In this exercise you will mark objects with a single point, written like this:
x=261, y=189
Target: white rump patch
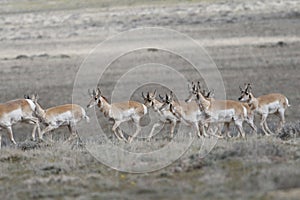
x=287, y=102
x=145, y=109
x=31, y=104
x=245, y=111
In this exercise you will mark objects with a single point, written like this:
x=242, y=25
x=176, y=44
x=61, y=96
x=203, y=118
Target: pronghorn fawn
x=64, y=115
x=15, y=111
x=119, y=112
x=274, y=103
x=188, y=112
x=224, y=111
x=164, y=116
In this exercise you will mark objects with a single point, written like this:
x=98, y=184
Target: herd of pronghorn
x=200, y=111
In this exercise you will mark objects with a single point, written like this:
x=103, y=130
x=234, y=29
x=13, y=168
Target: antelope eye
x=95, y=98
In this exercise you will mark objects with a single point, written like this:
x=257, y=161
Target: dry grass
x=250, y=168
x=43, y=44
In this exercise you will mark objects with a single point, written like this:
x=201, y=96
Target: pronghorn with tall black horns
x=64, y=115
x=119, y=112
x=249, y=118
x=225, y=111
x=193, y=90
x=15, y=111
x=187, y=112
x=164, y=116
x=273, y=103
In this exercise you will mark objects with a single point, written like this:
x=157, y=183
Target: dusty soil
x=42, y=46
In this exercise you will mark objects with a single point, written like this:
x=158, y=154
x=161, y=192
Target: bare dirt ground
x=42, y=46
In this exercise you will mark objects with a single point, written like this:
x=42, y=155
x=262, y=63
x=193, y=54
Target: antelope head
x=192, y=91
x=245, y=93
x=167, y=102
x=149, y=98
x=95, y=98
x=195, y=89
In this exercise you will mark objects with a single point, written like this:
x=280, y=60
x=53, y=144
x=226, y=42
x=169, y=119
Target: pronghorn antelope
x=187, y=112
x=19, y=110
x=119, y=112
x=264, y=105
x=165, y=116
x=63, y=115
x=225, y=111
x=249, y=118
x=193, y=90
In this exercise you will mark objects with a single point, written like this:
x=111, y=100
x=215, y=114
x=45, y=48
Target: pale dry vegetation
x=43, y=45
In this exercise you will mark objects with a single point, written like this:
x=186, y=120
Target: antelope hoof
x=41, y=140
x=220, y=136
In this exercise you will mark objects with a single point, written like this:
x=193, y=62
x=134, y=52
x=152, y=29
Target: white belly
x=273, y=107
x=222, y=115
x=123, y=115
x=13, y=117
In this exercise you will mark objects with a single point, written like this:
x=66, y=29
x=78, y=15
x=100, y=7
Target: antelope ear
x=172, y=95
x=90, y=93
x=154, y=94
x=36, y=97
x=191, y=86
x=161, y=97
x=241, y=89
x=210, y=93
x=98, y=91
x=249, y=87
x=32, y=97
x=199, y=85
